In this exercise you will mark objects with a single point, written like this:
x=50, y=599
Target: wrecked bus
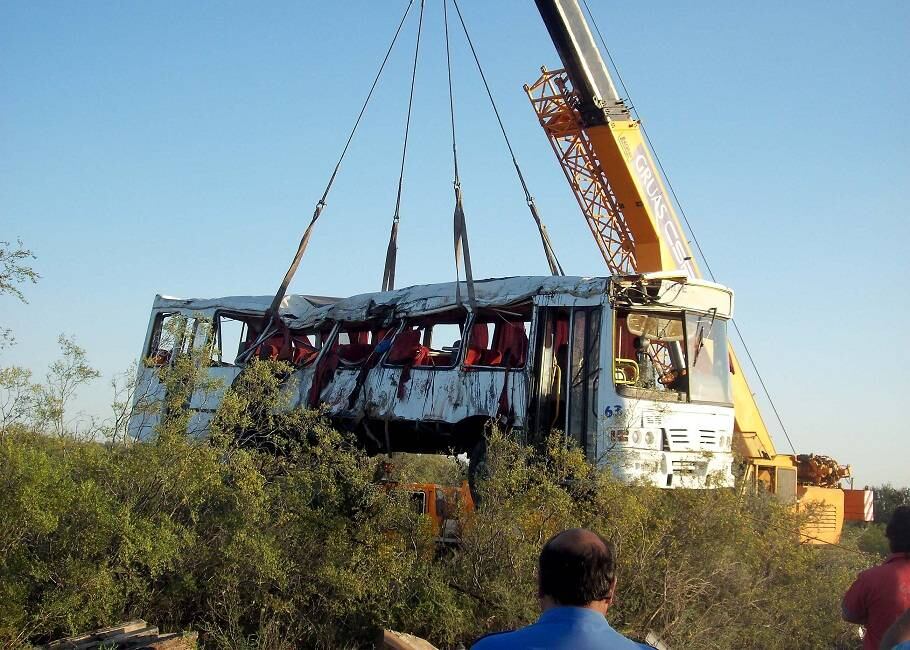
x=633, y=369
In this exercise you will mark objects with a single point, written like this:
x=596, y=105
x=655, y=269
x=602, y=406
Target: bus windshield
x=708, y=359
x=650, y=355
x=673, y=356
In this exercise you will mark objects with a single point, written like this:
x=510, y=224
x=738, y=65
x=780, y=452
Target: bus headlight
x=649, y=438
x=636, y=437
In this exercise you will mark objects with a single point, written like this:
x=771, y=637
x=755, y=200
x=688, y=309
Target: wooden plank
x=132, y=635
x=94, y=636
x=392, y=640
x=175, y=642
x=132, y=639
x=148, y=632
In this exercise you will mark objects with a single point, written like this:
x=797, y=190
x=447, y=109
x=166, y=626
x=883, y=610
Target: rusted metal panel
x=431, y=395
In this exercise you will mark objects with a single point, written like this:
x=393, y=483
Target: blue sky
x=179, y=148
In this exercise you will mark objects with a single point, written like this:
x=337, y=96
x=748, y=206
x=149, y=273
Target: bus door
x=566, y=374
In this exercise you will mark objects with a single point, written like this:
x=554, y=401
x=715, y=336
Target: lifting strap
x=462, y=248
x=552, y=260
x=305, y=240
x=391, y=256
x=460, y=227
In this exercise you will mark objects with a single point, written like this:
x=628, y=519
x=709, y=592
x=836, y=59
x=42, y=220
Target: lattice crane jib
x=554, y=104
x=629, y=212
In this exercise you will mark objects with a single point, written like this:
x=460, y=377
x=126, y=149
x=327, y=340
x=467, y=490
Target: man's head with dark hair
x=898, y=530
x=577, y=568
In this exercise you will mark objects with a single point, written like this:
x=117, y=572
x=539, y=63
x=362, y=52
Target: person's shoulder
x=494, y=641
x=873, y=572
x=887, y=568
x=516, y=639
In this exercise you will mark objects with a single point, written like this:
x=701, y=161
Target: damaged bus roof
x=305, y=310
x=300, y=311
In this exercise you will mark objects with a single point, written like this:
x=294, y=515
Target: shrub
x=273, y=534
x=712, y=569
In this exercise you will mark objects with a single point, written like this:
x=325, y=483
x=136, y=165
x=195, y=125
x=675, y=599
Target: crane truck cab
x=632, y=369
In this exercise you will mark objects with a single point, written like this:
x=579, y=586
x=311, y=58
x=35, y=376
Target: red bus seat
x=405, y=348
x=304, y=352
x=354, y=352
x=477, y=345
x=511, y=342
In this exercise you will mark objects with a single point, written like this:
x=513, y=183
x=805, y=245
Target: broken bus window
x=231, y=333
x=430, y=341
x=174, y=334
x=355, y=343
x=499, y=338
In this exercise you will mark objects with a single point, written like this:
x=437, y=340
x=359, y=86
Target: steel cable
x=552, y=260
x=460, y=225
x=305, y=240
x=388, y=276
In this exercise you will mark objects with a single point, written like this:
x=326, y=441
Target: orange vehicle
x=442, y=504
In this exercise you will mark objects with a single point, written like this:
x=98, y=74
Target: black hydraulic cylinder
x=580, y=58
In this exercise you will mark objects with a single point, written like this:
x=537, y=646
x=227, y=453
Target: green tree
x=273, y=534
x=64, y=378
x=15, y=269
x=18, y=397
x=872, y=540
x=712, y=569
x=886, y=498
x=43, y=406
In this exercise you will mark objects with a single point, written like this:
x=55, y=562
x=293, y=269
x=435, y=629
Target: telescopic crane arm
x=581, y=60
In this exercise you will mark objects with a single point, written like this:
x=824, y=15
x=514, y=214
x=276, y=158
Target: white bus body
x=634, y=369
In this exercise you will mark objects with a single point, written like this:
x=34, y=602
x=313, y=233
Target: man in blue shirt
x=576, y=584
